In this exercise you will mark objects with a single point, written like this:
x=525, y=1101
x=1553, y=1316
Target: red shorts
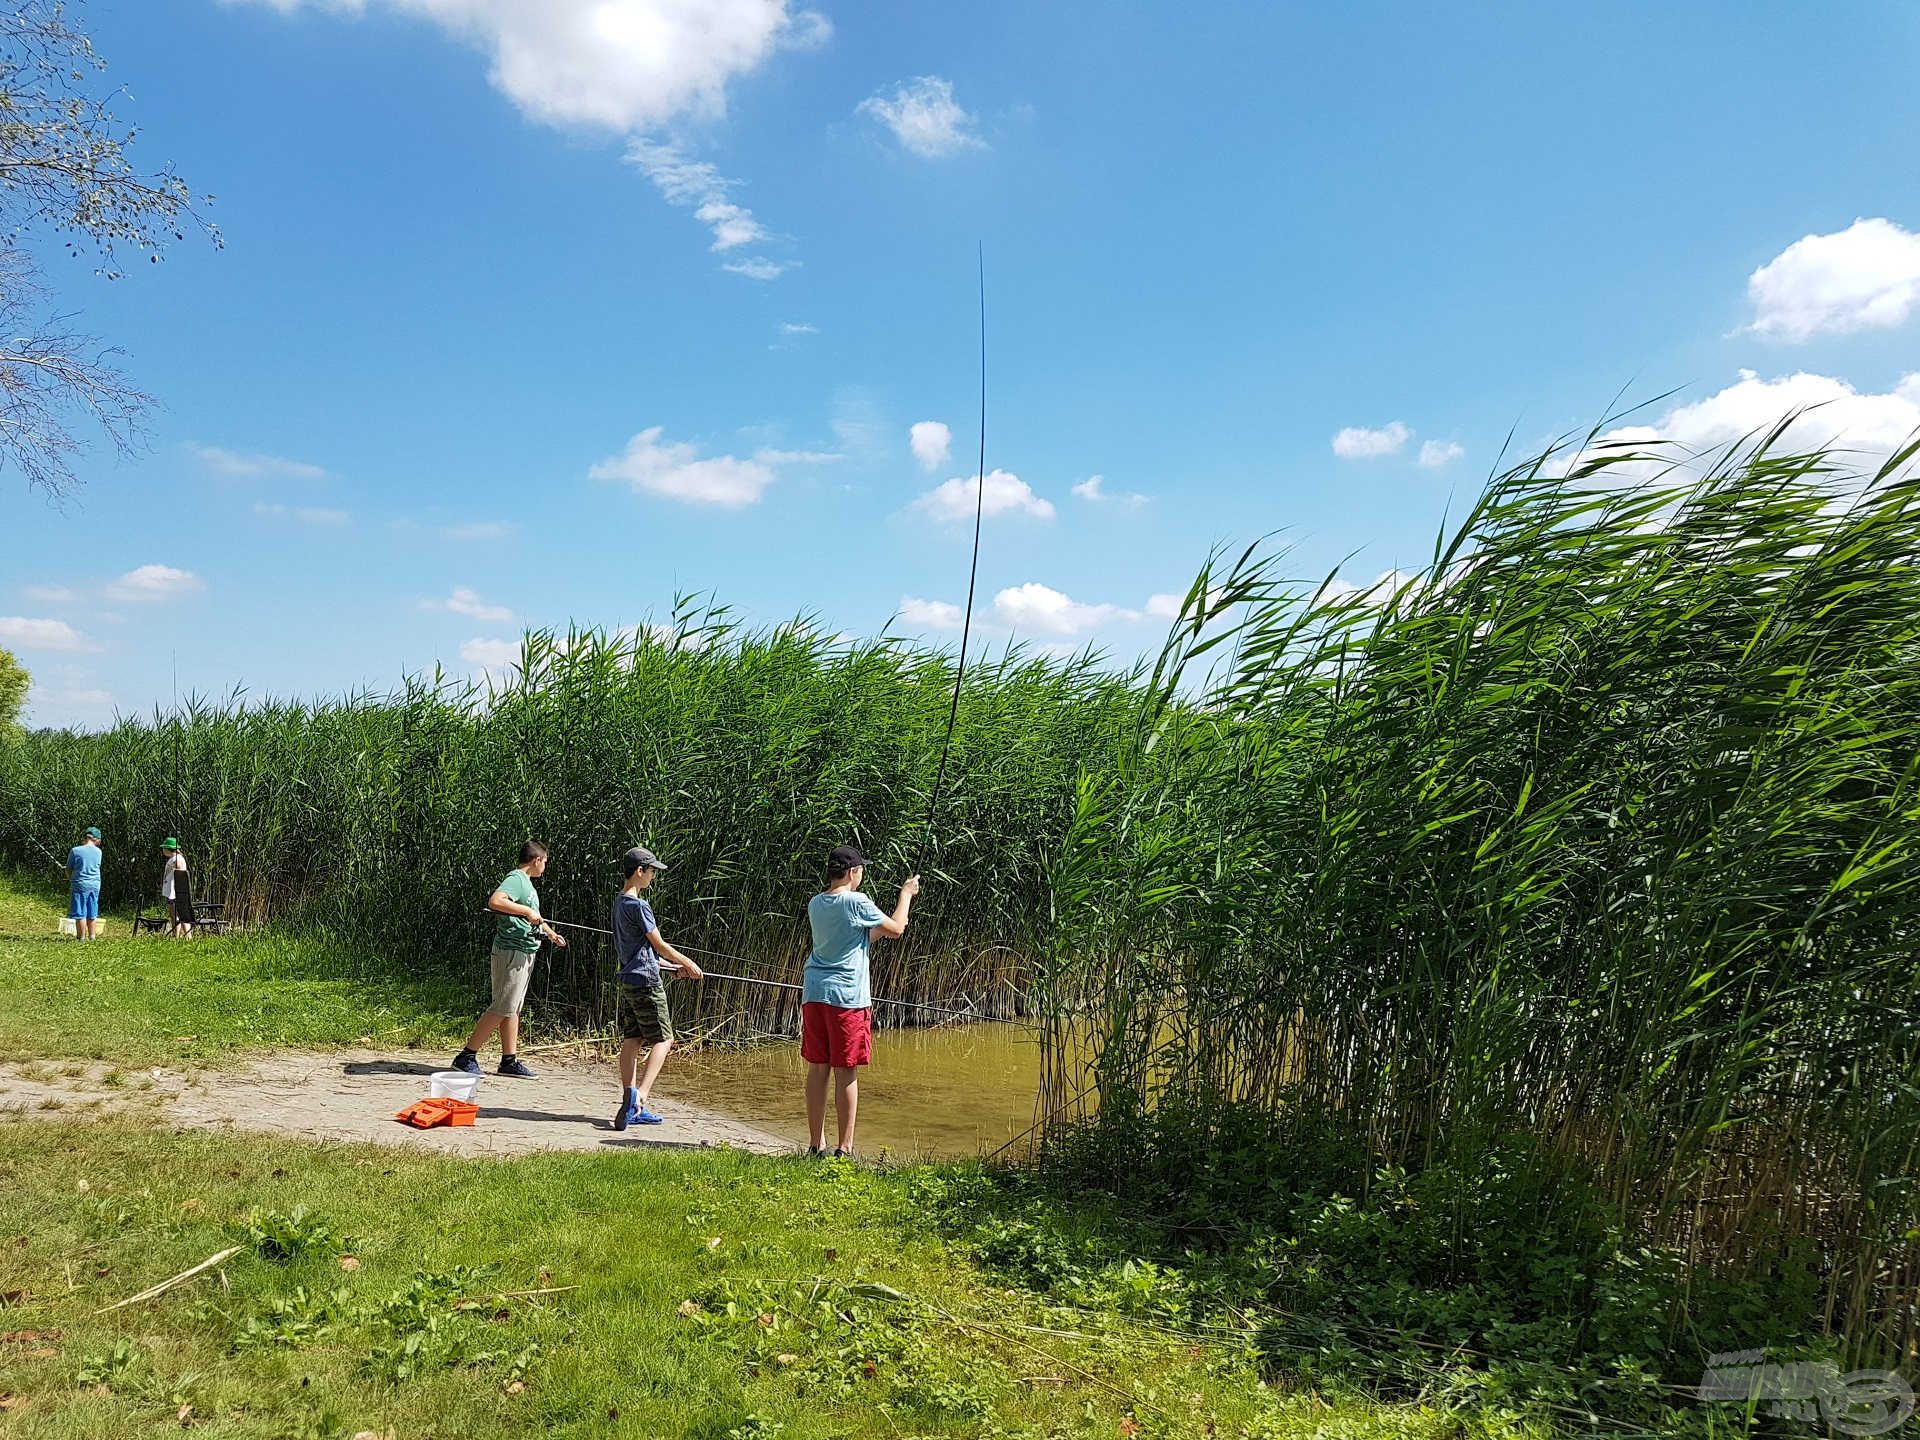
x=830, y=1035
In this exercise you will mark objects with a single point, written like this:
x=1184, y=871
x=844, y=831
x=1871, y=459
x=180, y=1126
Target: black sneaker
x=510, y=1065
x=466, y=1060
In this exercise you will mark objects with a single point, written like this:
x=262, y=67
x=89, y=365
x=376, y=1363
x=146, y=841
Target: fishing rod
x=973, y=575
x=52, y=859
x=779, y=984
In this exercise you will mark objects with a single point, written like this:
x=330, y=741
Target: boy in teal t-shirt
x=516, y=940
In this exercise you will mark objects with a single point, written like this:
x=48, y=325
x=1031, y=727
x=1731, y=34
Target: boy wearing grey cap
x=640, y=954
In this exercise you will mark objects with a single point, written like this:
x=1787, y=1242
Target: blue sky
x=497, y=338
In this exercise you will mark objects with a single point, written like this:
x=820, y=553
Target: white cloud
x=22, y=632
x=1828, y=413
x=238, y=466
x=466, y=601
x=678, y=472
x=758, y=267
x=1865, y=277
x=1034, y=606
x=1001, y=494
x=931, y=442
x=155, y=582
x=50, y=594
x=619, y=65
x=924, y=117
x=480, y=530
x=1094, y=491
x=1436, y=453
x=930, y=614
x=305, y=514
x=698, y=184
x=789, y=328
x=1356, y=442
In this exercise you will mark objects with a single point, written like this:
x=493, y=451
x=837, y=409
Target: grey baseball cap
x=641, y=858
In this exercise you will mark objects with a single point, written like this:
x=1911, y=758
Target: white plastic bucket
x=68, y=926
x=452, y=1085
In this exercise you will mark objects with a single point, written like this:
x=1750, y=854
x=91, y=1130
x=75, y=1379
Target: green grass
x=151, y=1000
x=423, y=1335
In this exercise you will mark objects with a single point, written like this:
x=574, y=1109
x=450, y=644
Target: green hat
x=93, y=832
x=169, y=843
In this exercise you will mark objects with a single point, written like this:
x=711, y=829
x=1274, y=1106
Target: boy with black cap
x=836, y=1036
x=641, y=1009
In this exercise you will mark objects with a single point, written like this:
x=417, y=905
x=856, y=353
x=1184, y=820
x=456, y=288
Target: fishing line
x=786, y=984
x=973, y=575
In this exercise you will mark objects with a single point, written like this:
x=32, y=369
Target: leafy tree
x=65, y=174
x=14, y=683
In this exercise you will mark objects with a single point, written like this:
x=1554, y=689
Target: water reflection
x=929, y=1093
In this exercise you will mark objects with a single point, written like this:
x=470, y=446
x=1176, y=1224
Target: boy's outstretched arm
x=681, y=965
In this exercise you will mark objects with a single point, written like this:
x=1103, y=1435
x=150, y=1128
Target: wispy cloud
x=758, y=267
x=24, y=632
x=50, y=594
x=789, y=328
x=480, y=530
x=466, y=601
x=155, y=582
x=1094, y=491
x=305, y=514
x=924, y=117
x=1437, y=453
x=1357, y=442
x=677, y=471
x=699, y=185
x=239, y=465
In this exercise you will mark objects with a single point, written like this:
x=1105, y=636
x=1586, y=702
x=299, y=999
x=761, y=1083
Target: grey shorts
x=511, y=971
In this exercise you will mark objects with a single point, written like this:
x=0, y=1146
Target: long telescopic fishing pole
x=52, y=859
x=973, y=575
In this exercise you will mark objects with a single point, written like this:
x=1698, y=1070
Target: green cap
x=93, y=832
x=169, y=843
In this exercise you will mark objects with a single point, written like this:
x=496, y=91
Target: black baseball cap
x=843, y=858
x=641, y=858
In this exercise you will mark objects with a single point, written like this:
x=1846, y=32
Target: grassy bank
x=641, y=1294
x=150, y=1000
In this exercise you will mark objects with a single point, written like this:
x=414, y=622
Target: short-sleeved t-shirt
x=515, y=932
x=837, y=969
x=83, y=864
x=633, y=957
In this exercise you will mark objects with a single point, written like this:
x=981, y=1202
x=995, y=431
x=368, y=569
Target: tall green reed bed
x=1575, y=876
x=742, y=756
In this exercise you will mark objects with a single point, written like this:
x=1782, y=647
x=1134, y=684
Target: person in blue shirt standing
x=83, y=872
x=640, y=954
x=836, y=1035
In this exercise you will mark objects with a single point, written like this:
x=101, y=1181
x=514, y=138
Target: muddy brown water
x=933, y=1094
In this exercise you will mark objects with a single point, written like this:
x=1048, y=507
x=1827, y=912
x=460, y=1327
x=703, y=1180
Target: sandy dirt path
x=353, y=1094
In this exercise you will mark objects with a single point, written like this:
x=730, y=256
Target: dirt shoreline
x=352, y=1095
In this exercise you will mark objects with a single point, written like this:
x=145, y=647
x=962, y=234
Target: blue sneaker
x=644, y=1116
x=466, y=1060
x=628, y=1112
x=512, y=1065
